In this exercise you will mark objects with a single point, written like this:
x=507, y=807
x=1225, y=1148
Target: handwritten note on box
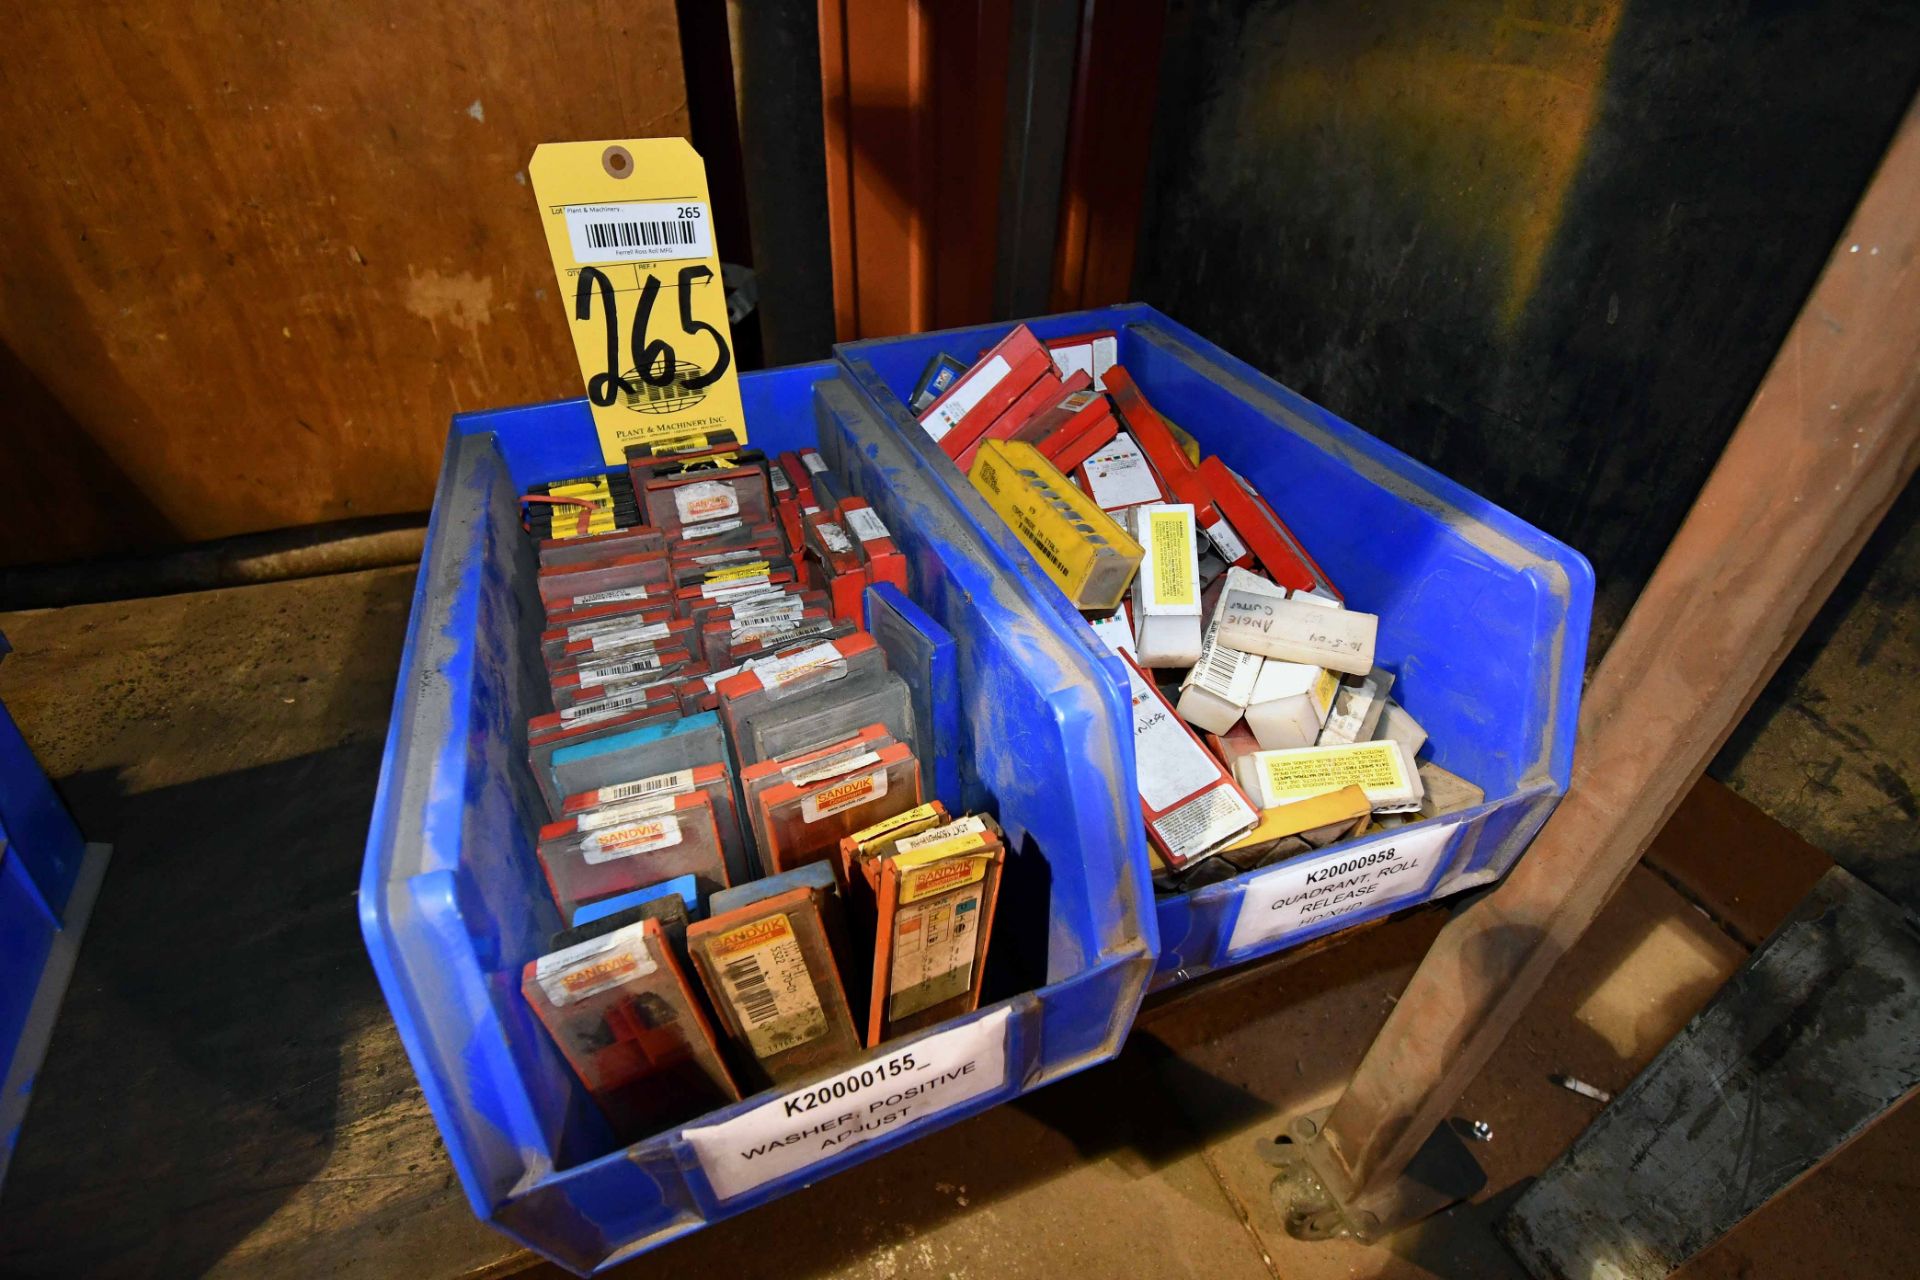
x=1296, y=631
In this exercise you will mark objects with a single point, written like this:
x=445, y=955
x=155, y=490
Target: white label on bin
x=813, y=462
x=970, y=391
x=857, y=1104
x=1351, y=878
x=639, y=231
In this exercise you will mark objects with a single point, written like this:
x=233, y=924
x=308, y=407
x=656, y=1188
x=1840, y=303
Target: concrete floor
x=226, y=1095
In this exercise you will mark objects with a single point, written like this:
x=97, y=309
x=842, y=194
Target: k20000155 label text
x=853, y=1106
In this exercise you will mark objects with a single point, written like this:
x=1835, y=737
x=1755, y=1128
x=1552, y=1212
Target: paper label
x=603, y=709
x=820, y=660
x=1204, y=822
x=946, y=415
x=777, y=478
x=888, y=826
x=679, y=782
x=764, y=973
x=833, y=768
x=1118, y=475
x=630, y=839
x=933, y=946
x=598, y=627
x=840, y=796
x=1170, y=765
x=1351, y=878
x=1227, y=674
x=813, y=462
x=1378, y=768
x=1226, y=541
x=834, y=538
x=610, y=596
x=624, y=811
x=705, y=500
x=605, y=673
x=1293, y=631
x=638, y=231
x=959, y=830
x=726, y=588
x=596, y=965
x=783, y=609
x=621, y=639
x=630, y=230
x=711, y=529
x=932, y=871
x=860, y=1103
x=1171, y=584
x=866, y=526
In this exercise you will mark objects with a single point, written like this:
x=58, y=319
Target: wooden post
x=1828, y=442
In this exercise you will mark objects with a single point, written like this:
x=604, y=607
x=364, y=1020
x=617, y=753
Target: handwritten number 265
x=655, y=362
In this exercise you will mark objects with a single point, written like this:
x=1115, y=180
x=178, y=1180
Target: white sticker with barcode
x=813, y=462
x=763, y=970
x=866, y=525
x=639, y=231
x=679, y=782
x=621, y=639
x=604, y=709
x=960, y=398
x=1227, y=674
x=781, y=608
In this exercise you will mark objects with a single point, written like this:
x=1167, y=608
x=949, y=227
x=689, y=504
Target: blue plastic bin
x=1483, y=618
x=41, y=858
x=453, y=904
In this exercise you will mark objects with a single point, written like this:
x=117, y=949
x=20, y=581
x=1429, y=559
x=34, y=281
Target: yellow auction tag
x=631, y=233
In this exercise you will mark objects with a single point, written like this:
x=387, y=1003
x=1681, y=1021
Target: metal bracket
x=1443, y=1173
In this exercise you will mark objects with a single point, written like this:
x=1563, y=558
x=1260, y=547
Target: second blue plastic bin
x=1483, y=618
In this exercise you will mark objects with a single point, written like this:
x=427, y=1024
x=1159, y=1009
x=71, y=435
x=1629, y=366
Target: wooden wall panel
x=255, y=254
